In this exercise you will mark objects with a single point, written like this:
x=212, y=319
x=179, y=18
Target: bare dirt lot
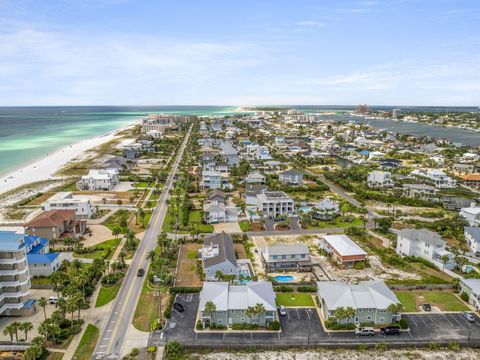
x=187, y=268
x=326, y=354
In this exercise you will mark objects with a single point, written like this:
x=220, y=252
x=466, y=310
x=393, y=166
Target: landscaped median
x=87, y=343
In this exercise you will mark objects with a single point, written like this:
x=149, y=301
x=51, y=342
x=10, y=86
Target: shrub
x=381, y=346
x=434, y=346
x=284, y=288
x=274, y=325
x=174, y=350
x=464, y=296
x=453, y=345
x=199, y=325
x=134, y=352
x=307, y=288
x=403, y=323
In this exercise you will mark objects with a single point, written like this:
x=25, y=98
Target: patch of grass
x=107, y=294
x=114, y=221
x=147, y=308
x=142, y=184
x=40, y=281
x=408, y=300
x=87, y=343
x=300, y=299
x=336, y=223
x=444, y=300
x=55, y=355
x=244, y=225
x=103, y=250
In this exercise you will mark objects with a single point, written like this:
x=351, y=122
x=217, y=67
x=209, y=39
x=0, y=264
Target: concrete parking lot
x=302, y=326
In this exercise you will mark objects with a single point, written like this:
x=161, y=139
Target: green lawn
x=336, y=223
x=195, y=217
x=107, y=294
x=408, y=300
x=113, y=221
x=104, y=250
x=244, y=225
x=87, y=343
x=301, y=299
x=444, y=300
x=55, y=355
x=142, y=184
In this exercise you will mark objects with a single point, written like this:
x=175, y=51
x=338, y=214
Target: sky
x=248, y=52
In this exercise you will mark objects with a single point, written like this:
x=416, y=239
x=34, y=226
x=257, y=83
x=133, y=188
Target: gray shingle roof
x=225, y=249
x=287, y=249
x=474, y=231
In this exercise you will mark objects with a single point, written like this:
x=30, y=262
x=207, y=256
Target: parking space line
x=420, y=319
x=308, y=314
x=413, y=320
x=409, y=333
x=288, y=314
x=455, y=319
x=446, y=318
x=178, y=313
x=431, y=319
x=298, y=314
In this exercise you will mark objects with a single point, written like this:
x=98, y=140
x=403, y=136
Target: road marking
x=109, y=330
x=412, y=319
x=454, y=318
x=161, y=335
x=431, y=319
x=446, y=318
x=308, y=314
x=288, y=314
x=409, y=333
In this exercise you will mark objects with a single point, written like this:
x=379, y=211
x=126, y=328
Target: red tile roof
x=51, y=218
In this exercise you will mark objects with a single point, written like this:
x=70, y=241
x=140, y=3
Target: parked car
x=390, y=330
x=282, y=310
x=140, y=272
x=467, y=316
x=427, y=307
x=53, y=299
x=365, y=331
x=179, y=307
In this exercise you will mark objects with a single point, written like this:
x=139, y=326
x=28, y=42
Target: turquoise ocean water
x=30, y=133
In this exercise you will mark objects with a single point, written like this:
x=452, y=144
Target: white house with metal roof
x=369, y=299
x=472, y=237
x=286, y=256
x=232, y=301
x=425, y=244
x=472, y=288
x=343, y=249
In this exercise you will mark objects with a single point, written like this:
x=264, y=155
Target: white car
x=365, y=331
x=282, y=310
x=53, y=299
x=467, y=316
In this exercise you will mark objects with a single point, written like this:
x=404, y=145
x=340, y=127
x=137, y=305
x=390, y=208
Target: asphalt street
x=112, y=337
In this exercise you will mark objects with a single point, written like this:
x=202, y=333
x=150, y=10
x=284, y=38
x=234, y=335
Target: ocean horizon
x=30, y=133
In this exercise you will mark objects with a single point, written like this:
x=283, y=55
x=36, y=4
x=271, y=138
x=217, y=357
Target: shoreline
x=46, y=167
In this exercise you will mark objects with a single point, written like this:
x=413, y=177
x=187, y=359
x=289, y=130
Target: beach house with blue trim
x=41, y=262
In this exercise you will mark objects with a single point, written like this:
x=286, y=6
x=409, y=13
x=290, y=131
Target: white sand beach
x=45, y=168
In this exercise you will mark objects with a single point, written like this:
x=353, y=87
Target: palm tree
x=210, y=309
x=250, y=312
x=122, y=255
x=16, y=327
x=43, y=303
x=394, y=308
x=26, y=327
x=340, y=314
x=259, y=309
x=219, y=275
x=9, y=330
x=152, y=255
x=350, y=313
x=116, y=231
x=71, y=307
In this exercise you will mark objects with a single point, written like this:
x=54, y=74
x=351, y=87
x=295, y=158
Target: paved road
x=302, y=327
x=113, y=334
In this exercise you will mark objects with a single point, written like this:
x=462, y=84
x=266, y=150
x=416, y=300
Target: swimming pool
x=284, y=278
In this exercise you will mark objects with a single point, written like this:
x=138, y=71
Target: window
x=303, y=256
x=284, y=256
x=369, y=317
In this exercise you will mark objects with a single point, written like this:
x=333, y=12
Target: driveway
x=228, y=227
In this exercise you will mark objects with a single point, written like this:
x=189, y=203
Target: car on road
x=140, y=272
x=53, y=299
x=282, y=310
x=364, y=331
x=467, y=316
x=390, y=330
x=179, y=307
x=427, y=307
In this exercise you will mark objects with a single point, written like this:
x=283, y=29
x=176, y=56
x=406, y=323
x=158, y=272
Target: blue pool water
x=305, y=209
x=468, y=268
x=284, y=278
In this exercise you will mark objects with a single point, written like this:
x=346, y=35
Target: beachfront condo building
x=66, y=201
x=274, y=204
x=15, y=296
